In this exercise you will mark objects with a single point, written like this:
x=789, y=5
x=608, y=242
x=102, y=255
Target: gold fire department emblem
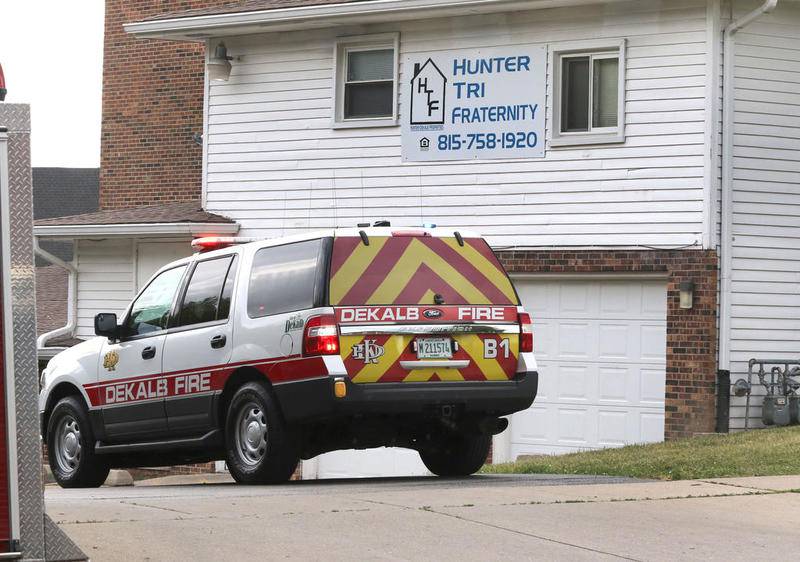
x=110, y=360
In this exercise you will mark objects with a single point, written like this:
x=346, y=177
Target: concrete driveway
x=479, y=518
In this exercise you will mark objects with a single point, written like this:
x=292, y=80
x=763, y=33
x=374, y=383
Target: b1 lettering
x=492, y=347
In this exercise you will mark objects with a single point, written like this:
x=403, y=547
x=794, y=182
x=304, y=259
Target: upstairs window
x=589, y=88
x=366, y=82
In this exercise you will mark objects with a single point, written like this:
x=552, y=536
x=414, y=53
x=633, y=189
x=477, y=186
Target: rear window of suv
x=410, y=270
x=283, y=278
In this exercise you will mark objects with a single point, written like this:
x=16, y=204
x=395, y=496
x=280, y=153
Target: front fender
x=76, y=366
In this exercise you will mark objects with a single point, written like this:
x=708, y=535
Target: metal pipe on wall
x=726, y=195
x=72, y=296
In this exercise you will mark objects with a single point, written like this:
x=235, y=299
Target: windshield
x=409, y=270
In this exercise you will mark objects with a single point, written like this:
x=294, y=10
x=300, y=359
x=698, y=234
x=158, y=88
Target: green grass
x=766, y=452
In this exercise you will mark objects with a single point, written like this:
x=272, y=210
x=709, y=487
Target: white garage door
x=601, y=350
x=385, y=461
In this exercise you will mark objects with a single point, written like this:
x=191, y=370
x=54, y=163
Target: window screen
x=369, y=84
x=201, y=303
x=605, y=92
x=283, y=278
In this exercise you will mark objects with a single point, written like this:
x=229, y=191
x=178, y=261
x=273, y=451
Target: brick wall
x=691, y=334
x=152, y=104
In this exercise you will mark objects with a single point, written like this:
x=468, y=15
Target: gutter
x=726, y=195
x=199, y=27
x=134, y=229
x=72, y=302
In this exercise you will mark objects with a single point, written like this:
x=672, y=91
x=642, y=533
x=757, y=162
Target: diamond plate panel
x=16, y=117
x=58, y=545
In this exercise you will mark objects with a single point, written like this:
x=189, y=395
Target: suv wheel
x=70, y=447
x=258, y=447
x=456, y=454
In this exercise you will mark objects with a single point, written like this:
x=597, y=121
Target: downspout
x=72, y=296
x=726, y=195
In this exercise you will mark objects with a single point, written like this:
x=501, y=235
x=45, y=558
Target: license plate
x=434, y=348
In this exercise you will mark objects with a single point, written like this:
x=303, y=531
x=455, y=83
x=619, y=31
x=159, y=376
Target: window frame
x=594, y=51
x=342, y=47
x=174, y=325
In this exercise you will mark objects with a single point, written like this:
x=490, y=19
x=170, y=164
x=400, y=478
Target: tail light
x=321, y=336
x=525, y=333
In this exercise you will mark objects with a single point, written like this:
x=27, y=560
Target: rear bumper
x=314, y=400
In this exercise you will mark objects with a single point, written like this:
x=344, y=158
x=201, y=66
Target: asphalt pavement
x=485, y=517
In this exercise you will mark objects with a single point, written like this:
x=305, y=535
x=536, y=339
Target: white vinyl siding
x=765, y=296
x=111, y=272
x=277, y=166
x=105, y=280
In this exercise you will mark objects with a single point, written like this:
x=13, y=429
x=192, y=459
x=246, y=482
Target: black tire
x=258, y=446
x=70, y=446
x=456, y=455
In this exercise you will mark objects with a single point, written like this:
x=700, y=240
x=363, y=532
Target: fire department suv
x=268, y=352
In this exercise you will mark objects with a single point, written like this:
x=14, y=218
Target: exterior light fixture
x=219, y=65
x=687, y=294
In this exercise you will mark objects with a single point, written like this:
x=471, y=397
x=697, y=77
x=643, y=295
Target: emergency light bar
x=210, y=243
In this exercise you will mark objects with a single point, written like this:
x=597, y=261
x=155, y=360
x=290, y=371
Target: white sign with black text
x=474, y=104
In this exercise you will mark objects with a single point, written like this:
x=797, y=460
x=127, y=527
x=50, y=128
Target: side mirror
x=105, y=324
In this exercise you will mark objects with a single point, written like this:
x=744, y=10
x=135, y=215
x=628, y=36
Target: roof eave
x=144, y=230
x=199, y=28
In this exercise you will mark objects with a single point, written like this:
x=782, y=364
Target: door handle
x=218, y=341
x=148, y=352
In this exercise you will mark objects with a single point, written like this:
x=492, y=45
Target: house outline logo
x=424, y=143
x=428, y=94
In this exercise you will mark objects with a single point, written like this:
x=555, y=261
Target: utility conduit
x=72, y=296
x=728, y=114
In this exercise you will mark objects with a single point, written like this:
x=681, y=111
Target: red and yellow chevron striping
x=411, y=270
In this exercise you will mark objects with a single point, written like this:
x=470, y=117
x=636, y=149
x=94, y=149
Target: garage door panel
x=574, y=383
x=574, y=340
x=653, y=303
x=533, y=426
x=541, y=302
x=653, y=342
x=602, y=363
x=615, y=299
x=651, y=427
x=614, y=385
x=544, y=338
x=576, y=299
x=574, y=426
x=612, y=428
x=383, y=461
x=600, y=340
x=614, y=341
x=653, y=387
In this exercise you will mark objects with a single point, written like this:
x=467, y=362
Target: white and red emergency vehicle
x=272, y=351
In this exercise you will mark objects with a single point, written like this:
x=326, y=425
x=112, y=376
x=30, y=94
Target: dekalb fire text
x=157, y=388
